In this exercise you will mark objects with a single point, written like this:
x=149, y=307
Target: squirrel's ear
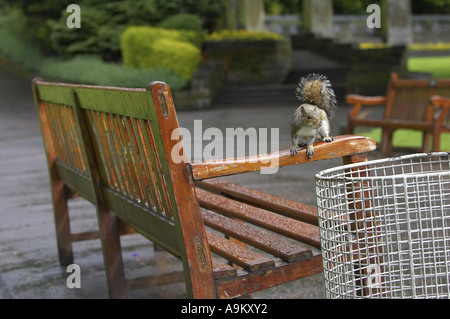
x=302, y=109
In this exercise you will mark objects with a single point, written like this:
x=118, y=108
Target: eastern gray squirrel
x=310, y=122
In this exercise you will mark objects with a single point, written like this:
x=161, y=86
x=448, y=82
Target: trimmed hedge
x=149, y=47
x=21, y=57
x=182, y=21
x=93, y=70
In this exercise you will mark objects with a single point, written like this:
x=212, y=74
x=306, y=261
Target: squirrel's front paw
x=328, y=139
x=310, y=152
x=293, y=151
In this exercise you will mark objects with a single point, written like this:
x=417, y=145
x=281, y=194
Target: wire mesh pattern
x=385, y=227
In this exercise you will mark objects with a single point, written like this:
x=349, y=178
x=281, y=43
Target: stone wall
x=353, y=28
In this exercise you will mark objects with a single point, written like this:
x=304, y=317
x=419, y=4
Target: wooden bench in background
x=441, y=119
x=112, y=146
x=406, y=106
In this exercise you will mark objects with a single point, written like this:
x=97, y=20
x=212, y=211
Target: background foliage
x=102, y=22
x=149, y=47
x=33, y=33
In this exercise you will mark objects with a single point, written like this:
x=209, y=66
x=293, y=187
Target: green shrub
x=19, y=51
x=182, y=21
x=102, y=22
x=187, y=22
x=81, y=69
x=181, y=57
x=96, y=36
x=148, y=47
x=93, y=70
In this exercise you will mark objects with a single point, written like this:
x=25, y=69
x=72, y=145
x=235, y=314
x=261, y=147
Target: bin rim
x=322, y=174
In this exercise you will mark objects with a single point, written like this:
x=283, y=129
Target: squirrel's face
x=311, y=116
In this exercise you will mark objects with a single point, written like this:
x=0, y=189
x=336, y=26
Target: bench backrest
x=408, y=99
x=113, y=146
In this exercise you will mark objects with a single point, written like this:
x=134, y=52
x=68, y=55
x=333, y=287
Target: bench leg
x=426, y=142
x=386, y=142
x=436, y=141
x=62, y=223
x=364, y=217
x=112, y=253
x=355, y=158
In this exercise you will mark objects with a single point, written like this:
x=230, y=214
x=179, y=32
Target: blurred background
x=117, y=43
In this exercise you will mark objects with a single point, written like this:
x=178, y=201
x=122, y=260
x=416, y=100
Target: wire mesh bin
x=385, y=227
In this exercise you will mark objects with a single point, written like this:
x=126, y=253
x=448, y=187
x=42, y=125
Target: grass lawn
x=438, y=66
x=408, y=138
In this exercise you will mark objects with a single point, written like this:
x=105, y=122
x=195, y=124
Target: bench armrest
x=444, y=104
x=358, y=101
x=342, y=146
x=365, y=100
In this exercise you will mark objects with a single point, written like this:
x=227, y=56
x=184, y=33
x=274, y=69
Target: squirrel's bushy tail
x=316, y=89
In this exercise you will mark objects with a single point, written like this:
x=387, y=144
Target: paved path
x=28, y=260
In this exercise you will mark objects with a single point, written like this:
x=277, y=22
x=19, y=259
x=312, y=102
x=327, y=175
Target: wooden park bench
x=112, y=146
x=406, y=106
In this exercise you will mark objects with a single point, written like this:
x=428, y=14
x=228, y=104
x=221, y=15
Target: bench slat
x=297, y=230
x=275, y=245
x=247, y=259
x=223, y=270
x=286, y=207
x=424, y=125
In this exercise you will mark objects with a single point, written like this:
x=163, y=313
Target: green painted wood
x=76, y=181
x=103, y=99
x=151, y=225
